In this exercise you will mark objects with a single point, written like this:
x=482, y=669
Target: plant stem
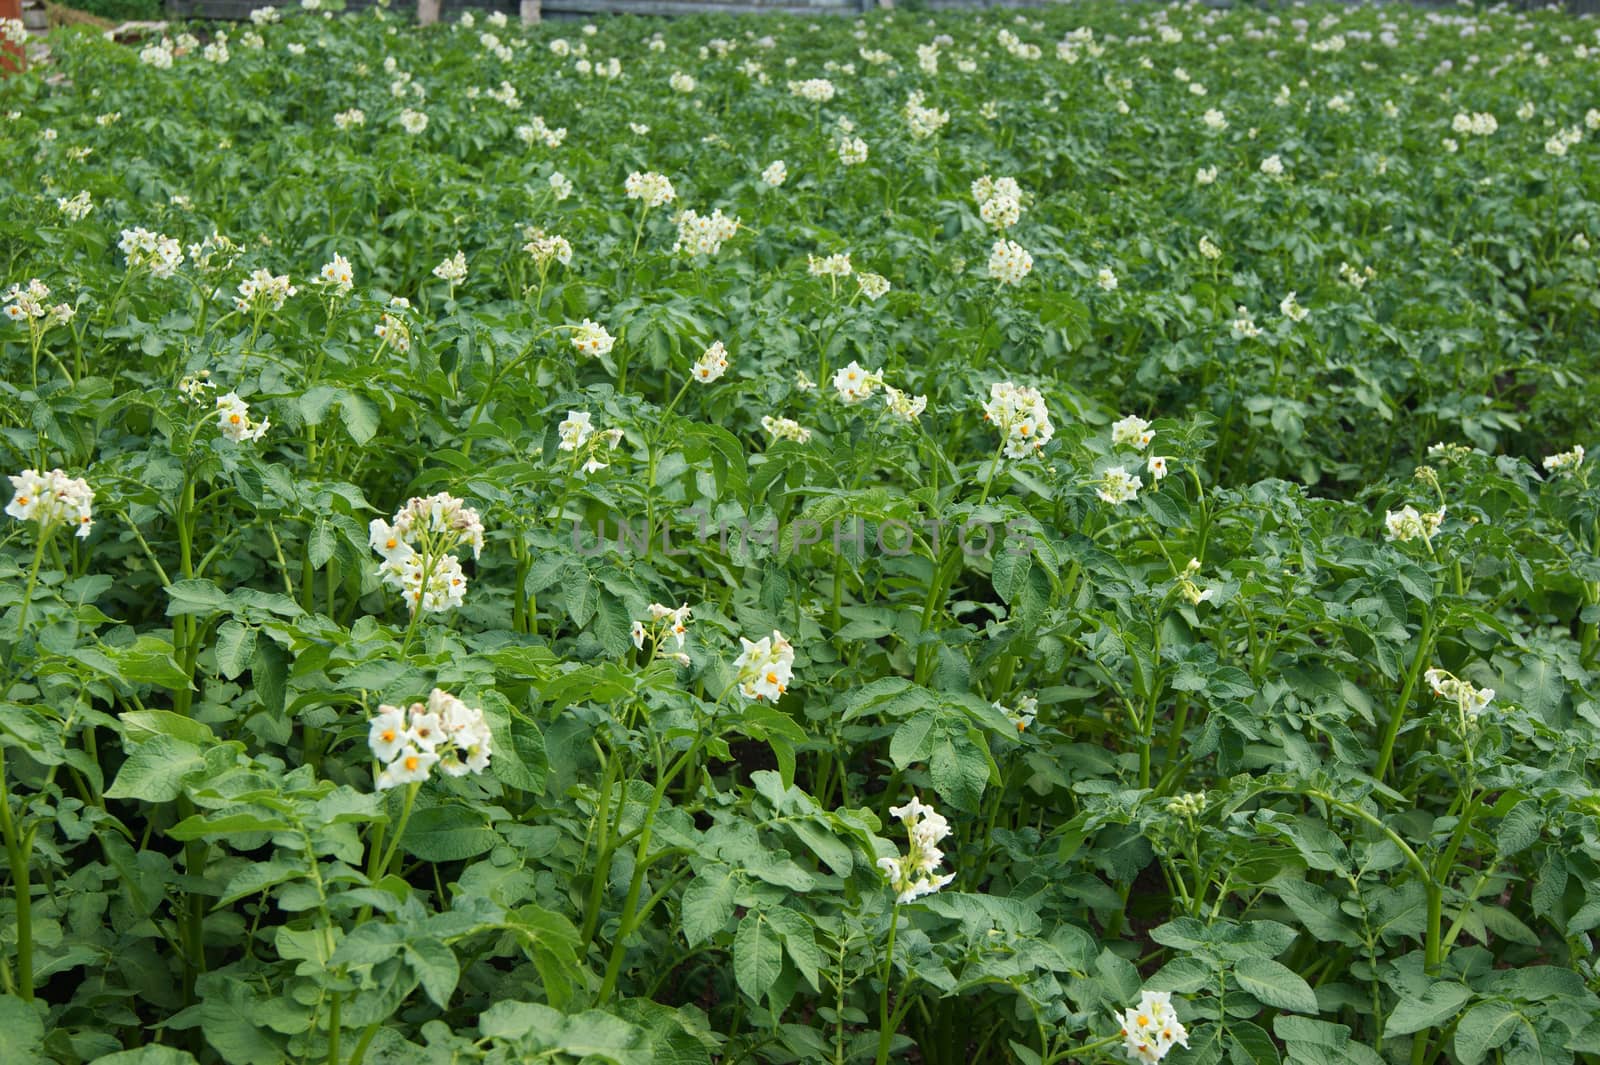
x=885, y=1030
x=16, y=855
x=382, y=868
x=1392, y=731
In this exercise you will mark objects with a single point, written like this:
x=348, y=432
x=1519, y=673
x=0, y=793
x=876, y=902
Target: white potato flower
x=51, y=499
x=765, y=667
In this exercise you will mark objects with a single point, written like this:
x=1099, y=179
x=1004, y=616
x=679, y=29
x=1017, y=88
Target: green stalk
x=885, y=1029
x=382, y=868
x=641, y=862
x=1392, y=730
x=17, y=856
x=33, y=581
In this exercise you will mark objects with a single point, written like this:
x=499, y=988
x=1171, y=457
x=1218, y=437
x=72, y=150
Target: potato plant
x=1037, y=537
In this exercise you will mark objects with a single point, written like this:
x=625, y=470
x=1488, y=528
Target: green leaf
x=154, y=1054
x=1519, y=829
x=800, y=941
x=236, y=645
x=757, y=956
x=155, y=770
x=1485, y=1027
x=1440, y=1002
x=912, y=741
x=322, y=542
x=257, y=877
x=195, y=597
x=149, y=661
x=448, y=834
x=140, y=726
x=359, y=415
x=708, y=904
x=436, y=966
x=959, y=771
x=24, y=1030
x=1249, y=1044
x=1275, y=984
x=825, y=845
x=518, y=759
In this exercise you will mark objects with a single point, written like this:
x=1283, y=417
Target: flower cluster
x=703, y=234
x=416, y=550
x=31, y=305
x=1019, y=414
x=1117, y=486
x=444, y=731
x=915, y=873
x=76, y=208
x=392, y=329
x=52, y=499
x=1567, y=463
x=665, y=621
x=999, y=200
x=337, y=276
x=829, y=266
x=923, y=122
x=452, y=270
x=233, y=419
x=547, y=248
x=1291, y=309
x=775, y=174
x=212, y=255
x=653, y=188
x=591, y=338
x=262, y=290
x=873, y=286
x=413, y=122
x=1192, y=592
x=785, y=429
x=765, y=667
x=1407, y=524
x=1471, y=700
x=855, y=384
x=161, y=255
x=537, y=130
x=1481, y=124
x=577, y=434
x=711, y=364
x=351, y=119
x=816, y=90
x=1151, y=1029
x=852, y=151
x=1023, y=714
x=1356, y=277
x=904, y=405
x=1009, y=262
x=1132, y=431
